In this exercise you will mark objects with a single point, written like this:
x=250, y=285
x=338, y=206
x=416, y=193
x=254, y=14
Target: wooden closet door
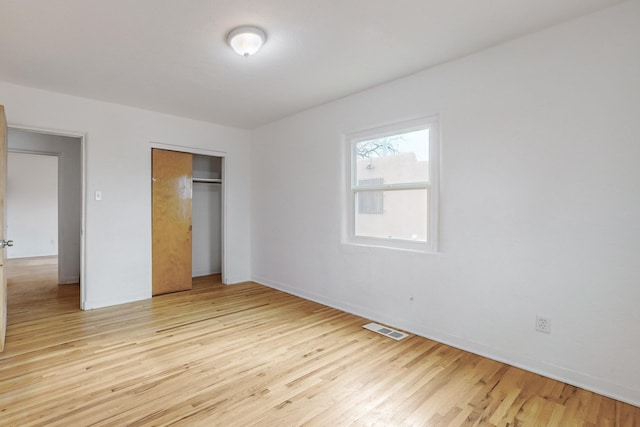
x=171, y=220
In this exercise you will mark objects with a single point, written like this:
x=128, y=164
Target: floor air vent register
x=387, y=332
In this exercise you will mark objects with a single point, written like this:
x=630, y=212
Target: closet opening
x=206, y=242
x=187, y=220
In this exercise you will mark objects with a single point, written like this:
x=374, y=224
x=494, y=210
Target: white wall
x=118, y=163
x=32, y=205
x=540, y=204
x=69, y=198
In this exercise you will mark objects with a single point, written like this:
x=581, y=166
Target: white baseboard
x=95, y=304
x=69, y=280
x=30, y=256
x=578, y=379
x=203, y=273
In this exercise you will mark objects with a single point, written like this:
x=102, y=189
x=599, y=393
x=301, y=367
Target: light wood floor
x=248, y=355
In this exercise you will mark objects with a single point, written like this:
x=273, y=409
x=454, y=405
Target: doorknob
x=5, y=243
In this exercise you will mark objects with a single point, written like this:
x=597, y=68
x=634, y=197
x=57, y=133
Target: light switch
x=98, y=195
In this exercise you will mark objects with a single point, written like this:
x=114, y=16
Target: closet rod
x=208, y=180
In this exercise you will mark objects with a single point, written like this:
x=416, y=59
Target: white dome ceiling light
x=246, y=40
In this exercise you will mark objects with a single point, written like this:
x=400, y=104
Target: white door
x=3, y=243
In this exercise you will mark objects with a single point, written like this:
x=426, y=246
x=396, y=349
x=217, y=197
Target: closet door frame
x=223, y=197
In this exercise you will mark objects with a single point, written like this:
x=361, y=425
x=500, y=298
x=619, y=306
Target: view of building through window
x=391, y=184
x=370, y=202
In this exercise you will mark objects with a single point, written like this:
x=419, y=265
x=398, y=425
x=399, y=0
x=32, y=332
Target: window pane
x=370, y=202
x=396, y=159
x=404, y=216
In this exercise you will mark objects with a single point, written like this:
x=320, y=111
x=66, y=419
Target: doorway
x=32, y=204
x=46, y=211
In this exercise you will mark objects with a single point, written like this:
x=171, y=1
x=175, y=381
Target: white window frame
x=431, y=186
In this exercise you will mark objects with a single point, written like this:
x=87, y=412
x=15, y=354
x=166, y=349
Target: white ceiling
x=171, y=56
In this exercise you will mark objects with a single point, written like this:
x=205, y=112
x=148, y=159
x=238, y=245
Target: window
x=393, y=185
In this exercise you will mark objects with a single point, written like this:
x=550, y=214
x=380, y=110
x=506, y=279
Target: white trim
x=187, y=149
x=391, y=187
x=83, y=177
x=434, y=177
x=223, y=219
x=110, y=302
x=405, y=126
x=35, y=152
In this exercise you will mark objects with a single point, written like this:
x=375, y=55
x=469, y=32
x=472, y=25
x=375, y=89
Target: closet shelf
x=208, y=180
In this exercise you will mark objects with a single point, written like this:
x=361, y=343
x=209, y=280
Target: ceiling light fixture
x=246, y=40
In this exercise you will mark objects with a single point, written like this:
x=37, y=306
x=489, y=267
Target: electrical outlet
x=543, y=324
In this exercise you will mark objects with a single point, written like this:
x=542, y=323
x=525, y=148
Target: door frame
x=83, y=178
x=223, y=193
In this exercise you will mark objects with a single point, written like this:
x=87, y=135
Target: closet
x=186, y=218
x=207, y=215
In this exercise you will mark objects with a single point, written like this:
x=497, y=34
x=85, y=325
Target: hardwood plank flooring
x=249, y=355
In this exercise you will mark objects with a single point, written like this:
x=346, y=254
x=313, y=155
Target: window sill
x=394, y=245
